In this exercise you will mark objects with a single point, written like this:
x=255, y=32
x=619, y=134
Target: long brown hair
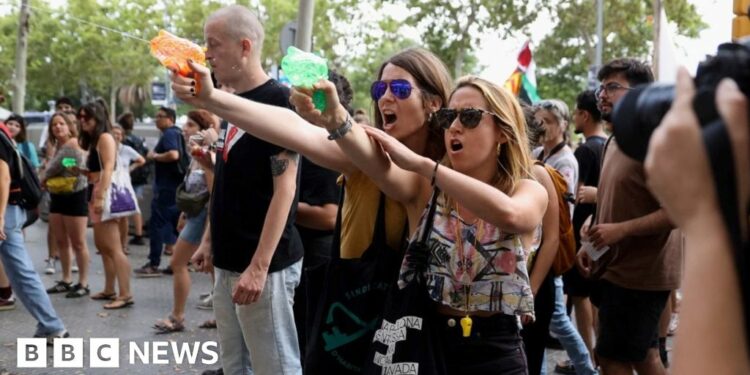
x=433, y=81
x=100, y=114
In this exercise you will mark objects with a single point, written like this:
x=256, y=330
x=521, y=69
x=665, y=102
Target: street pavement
x=85, y=318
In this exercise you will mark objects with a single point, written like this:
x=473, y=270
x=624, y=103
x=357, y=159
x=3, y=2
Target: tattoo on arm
x=279, y=164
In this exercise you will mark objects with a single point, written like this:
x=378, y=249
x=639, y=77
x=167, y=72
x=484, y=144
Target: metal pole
x=303, y=38
x=599, y=33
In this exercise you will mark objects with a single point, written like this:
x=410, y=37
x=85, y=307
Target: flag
x=522, y=82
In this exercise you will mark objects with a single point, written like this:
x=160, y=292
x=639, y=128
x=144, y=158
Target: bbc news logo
x=105, y=353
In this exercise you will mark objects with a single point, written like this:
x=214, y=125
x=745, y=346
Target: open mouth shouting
x=389, y=120
x=456, y=145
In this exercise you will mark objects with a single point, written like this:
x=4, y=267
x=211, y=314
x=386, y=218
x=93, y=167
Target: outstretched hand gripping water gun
x=304, y=69
x=174, y=52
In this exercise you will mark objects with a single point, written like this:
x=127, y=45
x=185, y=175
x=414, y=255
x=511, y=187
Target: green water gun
x=69, y=162
x=304, y=69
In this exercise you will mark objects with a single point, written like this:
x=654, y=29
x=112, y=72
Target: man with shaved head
x=251, y=240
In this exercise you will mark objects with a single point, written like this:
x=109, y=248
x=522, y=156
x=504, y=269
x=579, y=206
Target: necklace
x=466, y=321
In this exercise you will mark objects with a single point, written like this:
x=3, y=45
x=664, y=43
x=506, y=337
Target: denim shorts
x=194, y=228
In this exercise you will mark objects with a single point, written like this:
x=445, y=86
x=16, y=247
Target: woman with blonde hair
x=68, y=214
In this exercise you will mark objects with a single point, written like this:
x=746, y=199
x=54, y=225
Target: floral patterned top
x=473, y=267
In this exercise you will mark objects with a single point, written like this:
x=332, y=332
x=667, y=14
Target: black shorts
x=574, y=284
x=494, y=347
x=75, y=204
x=628, y=322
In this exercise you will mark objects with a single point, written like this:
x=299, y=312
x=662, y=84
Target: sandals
x=101, y=296
x=60, y=287
x=169, y=325
x=119, y=304
x=208, y=324
x=78, y=290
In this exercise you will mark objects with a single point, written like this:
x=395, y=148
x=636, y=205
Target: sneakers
x=137, y=240
x=167, y=270
x=50, y=266
x=74, y=269
x=7, y=304
x=207, y=303
x=60, y=287
x=565, y=367
x=51, y=338
x=147, y=271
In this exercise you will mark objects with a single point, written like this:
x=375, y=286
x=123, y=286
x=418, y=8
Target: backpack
x=566, y=252
x=27, y=183
x=140, y=175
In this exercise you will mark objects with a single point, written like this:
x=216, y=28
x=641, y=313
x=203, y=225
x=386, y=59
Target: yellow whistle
x=466, y=326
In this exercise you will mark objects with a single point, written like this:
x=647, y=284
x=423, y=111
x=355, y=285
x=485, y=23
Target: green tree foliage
x=564, y=56
x=452, y=28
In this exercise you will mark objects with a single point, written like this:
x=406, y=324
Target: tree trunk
x=22, y=42
x=458, y=63
x=112, y=103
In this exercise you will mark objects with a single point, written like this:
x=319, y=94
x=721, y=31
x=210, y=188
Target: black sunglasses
x=400, y=88
x=469, y=117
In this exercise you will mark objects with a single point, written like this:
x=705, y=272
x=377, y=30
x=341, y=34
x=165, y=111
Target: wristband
x=434, y=174
x=341, y=130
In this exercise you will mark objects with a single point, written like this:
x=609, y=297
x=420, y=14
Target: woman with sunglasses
x=419, y=85
x=96, y=137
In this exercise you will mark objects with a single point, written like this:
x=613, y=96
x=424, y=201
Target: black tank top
x=92, y=162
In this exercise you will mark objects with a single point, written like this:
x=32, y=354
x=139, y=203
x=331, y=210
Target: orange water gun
x=174, y=52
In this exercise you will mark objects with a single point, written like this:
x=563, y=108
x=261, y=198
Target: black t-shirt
x=8, y=155
x=167, y=174
x=317, y=188
x=242, y=192
x=589, y=156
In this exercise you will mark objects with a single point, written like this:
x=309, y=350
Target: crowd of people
x=266, y=193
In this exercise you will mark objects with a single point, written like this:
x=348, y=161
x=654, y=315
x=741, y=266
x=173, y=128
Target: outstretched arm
x=519, y=212
x=273, y=124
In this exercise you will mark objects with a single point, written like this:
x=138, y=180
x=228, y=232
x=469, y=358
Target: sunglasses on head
x=400, y=88
x=469, y=117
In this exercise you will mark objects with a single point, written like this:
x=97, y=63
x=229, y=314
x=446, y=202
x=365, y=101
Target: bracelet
x=434, y=174
x=341, y=130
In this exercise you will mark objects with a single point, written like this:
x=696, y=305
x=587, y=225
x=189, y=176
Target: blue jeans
x=162, y=226
x=25, y=281
x=561, y=327
x=264, y=330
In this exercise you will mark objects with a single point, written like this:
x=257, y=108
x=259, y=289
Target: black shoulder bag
x=406, y=341
x=350, y=296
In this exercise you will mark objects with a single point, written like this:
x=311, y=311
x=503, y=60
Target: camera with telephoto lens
x=638, y=113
